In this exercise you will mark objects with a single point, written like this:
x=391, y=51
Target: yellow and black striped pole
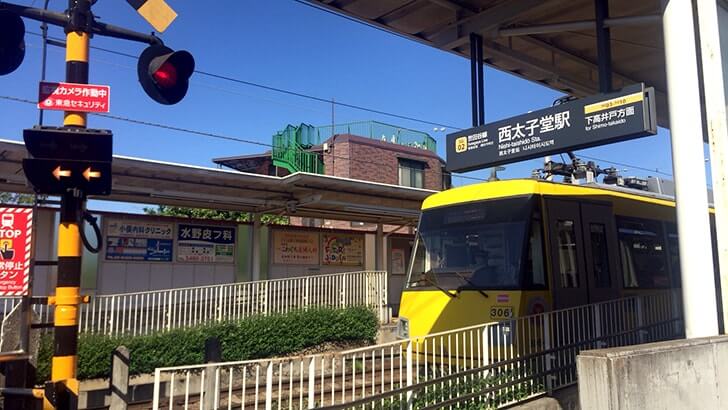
x=68, y=293
x=67, y=301
x=76, y=70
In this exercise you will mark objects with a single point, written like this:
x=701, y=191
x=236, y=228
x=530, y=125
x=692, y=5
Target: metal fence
x=490, y=365
x=380, y=131
x=145, y=312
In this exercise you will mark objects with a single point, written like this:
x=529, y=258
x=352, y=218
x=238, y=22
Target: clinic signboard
x=135, y=240
x=587, y=122
x=205, y=243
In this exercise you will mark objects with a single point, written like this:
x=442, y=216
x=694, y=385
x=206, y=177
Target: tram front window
x=478, y=245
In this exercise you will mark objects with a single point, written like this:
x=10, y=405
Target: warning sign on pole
x=16, y=226
x=73, y=97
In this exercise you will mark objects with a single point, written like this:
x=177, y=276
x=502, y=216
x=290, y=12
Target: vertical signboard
x=295, y=248
x=343, y=249
x=16, y=226
x=131, y=240
x=205, y=243
x=398, y=261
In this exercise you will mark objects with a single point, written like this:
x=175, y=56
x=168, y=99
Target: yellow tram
x=499, y=250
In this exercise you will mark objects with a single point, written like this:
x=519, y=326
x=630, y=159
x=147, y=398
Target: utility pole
x=68, y=292
x=74, y=162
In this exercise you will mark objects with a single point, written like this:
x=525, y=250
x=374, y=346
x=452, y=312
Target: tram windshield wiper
x=427, y=279
x=464, y=278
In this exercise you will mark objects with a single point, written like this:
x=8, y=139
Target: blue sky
x=284, y=44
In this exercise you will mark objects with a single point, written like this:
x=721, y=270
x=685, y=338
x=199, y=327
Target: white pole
x=379, y=248
x=696, y=259
x=255, y=259
x=715, y=113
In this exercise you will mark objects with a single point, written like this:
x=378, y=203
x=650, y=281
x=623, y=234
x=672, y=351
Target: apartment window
x=411, y=173
x=446, y=179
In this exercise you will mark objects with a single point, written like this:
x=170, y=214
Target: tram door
x=583, y=245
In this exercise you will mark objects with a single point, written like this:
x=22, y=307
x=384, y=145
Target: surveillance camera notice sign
x=73, y=97
x=16, y=226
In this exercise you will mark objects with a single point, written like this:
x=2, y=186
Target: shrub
x=252, y=338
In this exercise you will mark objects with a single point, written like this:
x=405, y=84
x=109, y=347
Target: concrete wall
x=121, y=276
x=677, y=374
x=45, y=244
x=101, y=275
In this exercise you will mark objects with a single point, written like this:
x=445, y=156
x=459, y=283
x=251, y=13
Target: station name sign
x=595, y=120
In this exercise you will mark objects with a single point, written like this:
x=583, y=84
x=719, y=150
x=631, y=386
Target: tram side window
x=534, y=273
x=643, y=253
x=567, y=253
x=673, y=250
x=600, y=257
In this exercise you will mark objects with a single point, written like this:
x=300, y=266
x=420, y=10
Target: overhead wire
x=268, y=145
x=211, y=134
x=655, y=170
x=364, y=23
x=284, y=91
x=206, y=85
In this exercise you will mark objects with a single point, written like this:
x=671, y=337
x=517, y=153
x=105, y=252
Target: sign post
x=587, y=122
x=73, y=162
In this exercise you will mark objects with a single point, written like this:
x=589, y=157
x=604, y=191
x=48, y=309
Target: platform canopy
x=551, y=42
x=300, y=194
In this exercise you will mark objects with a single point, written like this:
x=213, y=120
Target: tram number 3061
x=501, y=312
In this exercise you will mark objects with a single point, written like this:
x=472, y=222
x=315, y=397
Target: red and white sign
x=16, y=226
x=73, y=97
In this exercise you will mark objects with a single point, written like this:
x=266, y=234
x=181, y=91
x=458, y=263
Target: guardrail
x=380, y=131
x=145, y=312
x=495, y=364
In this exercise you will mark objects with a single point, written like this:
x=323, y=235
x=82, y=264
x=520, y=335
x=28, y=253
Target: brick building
x=366, y=151
x=367, y=159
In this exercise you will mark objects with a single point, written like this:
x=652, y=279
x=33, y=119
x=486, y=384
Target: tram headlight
x=403, y=328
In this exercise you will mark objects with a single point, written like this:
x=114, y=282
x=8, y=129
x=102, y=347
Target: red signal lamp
x=166, y=76
x=164, y=73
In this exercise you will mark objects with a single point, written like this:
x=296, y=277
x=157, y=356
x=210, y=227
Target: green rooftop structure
x=292, y=147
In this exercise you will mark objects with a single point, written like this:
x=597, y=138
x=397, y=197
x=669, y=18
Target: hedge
x=252, y=338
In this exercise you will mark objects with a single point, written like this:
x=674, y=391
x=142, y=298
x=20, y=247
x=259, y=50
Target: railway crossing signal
x=164, y=73
x=66, y=159
x=12, y=41
x=74, y=162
